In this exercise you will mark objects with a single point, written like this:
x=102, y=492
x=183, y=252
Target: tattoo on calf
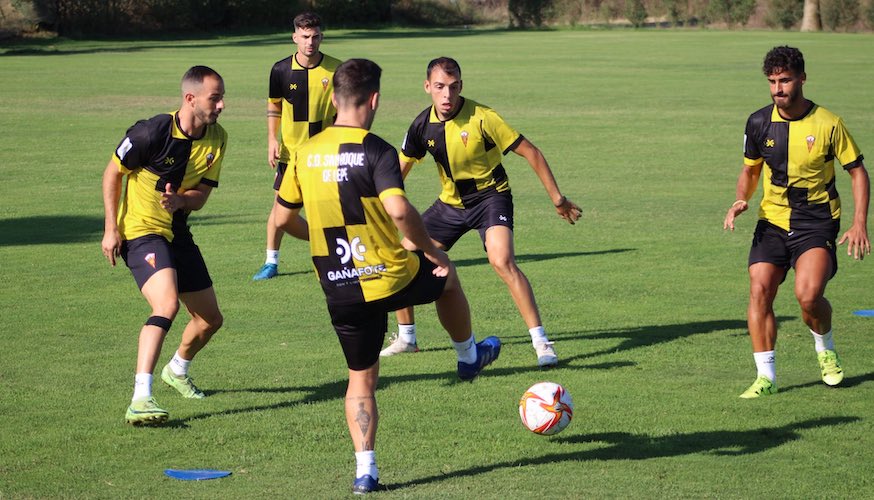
x=363, y=418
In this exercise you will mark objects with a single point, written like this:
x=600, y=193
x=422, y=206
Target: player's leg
x=270, y=269
x=813, y=269
x=197, y=293
x=501, y=254
x=765, y=279
x=442, y=224
x=769, y=260
x=206, y=319
x=453, y=311
x=150, y=261
x=361, y=330
x=160, y=293
x=405, y=339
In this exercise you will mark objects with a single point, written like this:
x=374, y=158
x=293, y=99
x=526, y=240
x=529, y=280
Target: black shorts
x=149, y=254
x=361, y=327
x=447, y=224
x=774, y=245
x=280, y=173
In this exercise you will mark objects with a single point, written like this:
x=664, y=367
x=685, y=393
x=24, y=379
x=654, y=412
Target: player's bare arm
x=564, y=207
x=856, y=237
x=191, y=200
x=111, y=243
x=746, y=186
x=274, y=114
x=406, y=166
x=290, y=221
x=409, y=222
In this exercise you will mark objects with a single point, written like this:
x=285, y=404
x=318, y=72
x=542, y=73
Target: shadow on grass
x=337, y=389
x=628, y=446
x=48, y=229
x=63, y=46
x=633, y=338
x=537, y=257
x=846, y=384
x=648, y=336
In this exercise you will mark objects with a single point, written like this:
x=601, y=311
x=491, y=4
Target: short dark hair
x=196, y=74
x=447, y=64
x=307, y=20
x=783, y=59
x=356, y=80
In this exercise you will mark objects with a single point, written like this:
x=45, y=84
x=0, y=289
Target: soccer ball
x=546, y=408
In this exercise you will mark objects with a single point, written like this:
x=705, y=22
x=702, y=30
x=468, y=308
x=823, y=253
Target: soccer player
x=468, y=140
x=349, y=183
x=170, y=163
x=795, y=143
x=299, y=106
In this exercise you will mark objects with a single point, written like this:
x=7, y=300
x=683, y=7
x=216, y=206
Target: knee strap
x=161, y=322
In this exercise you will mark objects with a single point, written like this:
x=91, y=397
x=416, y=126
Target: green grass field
x=646, y=296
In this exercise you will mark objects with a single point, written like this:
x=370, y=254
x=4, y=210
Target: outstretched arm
x=746, y=186
x=409, y=222
x=857, y=236
x=565, y=208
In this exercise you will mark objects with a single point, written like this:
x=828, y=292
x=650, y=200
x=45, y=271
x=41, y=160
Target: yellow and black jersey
x=467, y=147
x=305, y=95
x=340, y=177
x=798, y=156
x=153, y=153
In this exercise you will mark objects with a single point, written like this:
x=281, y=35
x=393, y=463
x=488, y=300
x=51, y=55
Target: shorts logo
x=431, y=143
x=169, y=160
x=293, y=86
x=347, y=250
x=325, y=83
x=464, y=136
x=769, y=143
x=810, y=141
x=502, y=218
x=150, y=259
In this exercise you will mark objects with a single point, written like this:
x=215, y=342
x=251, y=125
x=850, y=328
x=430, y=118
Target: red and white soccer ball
x=546, y=408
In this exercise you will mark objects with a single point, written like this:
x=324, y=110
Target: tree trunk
x=811, y=21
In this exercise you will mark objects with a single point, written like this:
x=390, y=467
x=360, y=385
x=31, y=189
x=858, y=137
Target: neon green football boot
x=761, y=387
x=830, y=366
x=145, y=411
x=183, y=384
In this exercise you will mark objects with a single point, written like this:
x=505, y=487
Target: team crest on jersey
x=325, y=83
x=769, y=143
x=810, y=141
x=209, y=159
x=150, y=259
x=464, y=136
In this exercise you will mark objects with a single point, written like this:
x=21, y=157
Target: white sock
x=365, y=463
x=538, y=335
x=466, y=350
x=272, y=257
x=179, y=366
x=766, y=364
x=823, y=342
x=407, y=333
x=142, y=386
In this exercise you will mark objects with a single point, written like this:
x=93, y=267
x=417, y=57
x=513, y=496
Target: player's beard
x=787, y=100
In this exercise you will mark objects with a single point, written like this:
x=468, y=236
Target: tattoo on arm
x=274, y=114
